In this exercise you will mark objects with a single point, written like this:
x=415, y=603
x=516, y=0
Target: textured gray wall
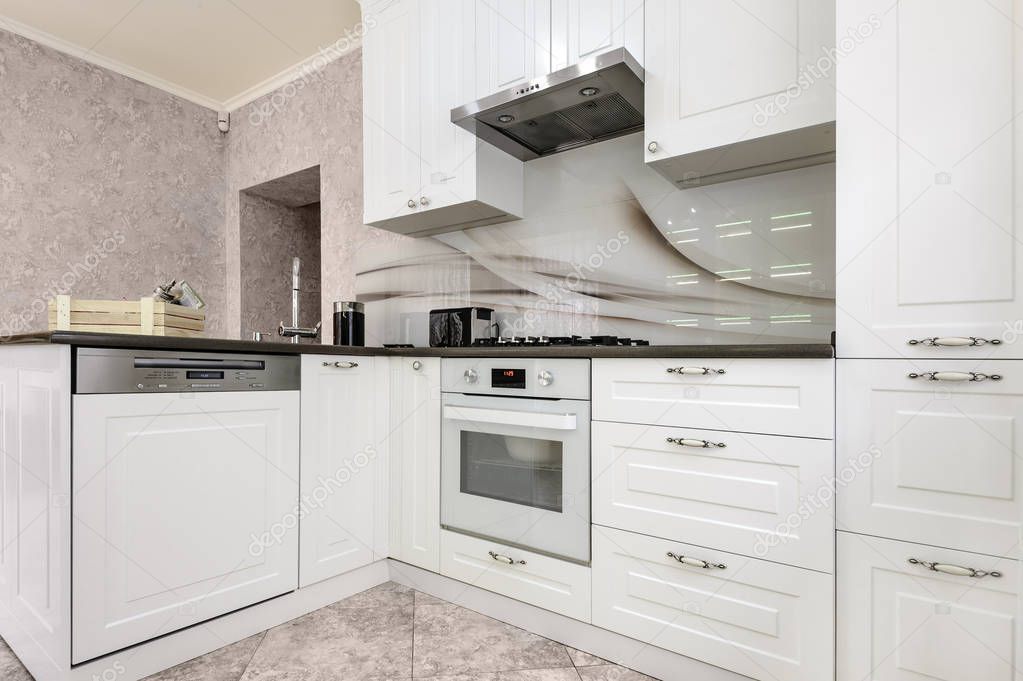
x=107, y=186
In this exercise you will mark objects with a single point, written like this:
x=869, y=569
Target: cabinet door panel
x=182, y=508
x=414, y=448
x=513, y=43
x=929, y=184
x=582, y=29
x=391, y=112
x=902, y=622
x=934, y=462
x=342, y=466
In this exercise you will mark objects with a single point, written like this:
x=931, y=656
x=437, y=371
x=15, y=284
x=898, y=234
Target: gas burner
x=545, y=341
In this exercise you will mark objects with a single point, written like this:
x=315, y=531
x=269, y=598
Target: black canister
x=349, y=323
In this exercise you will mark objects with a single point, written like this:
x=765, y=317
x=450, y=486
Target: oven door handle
x=510, y=417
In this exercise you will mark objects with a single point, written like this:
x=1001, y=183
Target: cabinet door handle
x=416, y=365
x=424, y=201
x=687, y=442
x=696, y=562
x=954, y=341
x=341, y=365
x=956, y=570
x=956, y=376
x=505, y=559
x=652, y=147
x=411, y=203
x=694, y=371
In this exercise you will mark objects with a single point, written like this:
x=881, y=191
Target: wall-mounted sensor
x=224, y=121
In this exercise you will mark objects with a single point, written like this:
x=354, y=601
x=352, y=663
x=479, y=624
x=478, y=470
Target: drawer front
x=942, y=458
x=774, y=396
x=904, y=622
x=546, y=582
x=763, y=496
x=765, y=620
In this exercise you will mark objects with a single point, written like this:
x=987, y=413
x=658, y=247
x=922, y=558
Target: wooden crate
x=140, y=317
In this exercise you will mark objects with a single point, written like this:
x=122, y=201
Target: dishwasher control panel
x=107, y=371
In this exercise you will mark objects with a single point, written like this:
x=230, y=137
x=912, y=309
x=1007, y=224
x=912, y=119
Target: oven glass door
x=517, y=470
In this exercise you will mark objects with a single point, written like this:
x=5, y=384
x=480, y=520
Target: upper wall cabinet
x=581, y=29
x=741, y=88
x=513, y=44
x=929, y=256
x=423, y=174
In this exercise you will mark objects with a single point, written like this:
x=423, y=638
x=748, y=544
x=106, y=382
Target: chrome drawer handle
x=341, y=365
x=687, y=442
x=956, y=376
x=957, y=570
x=694, y=371
x=696, y=562
x=954, y=341
x=505, y=559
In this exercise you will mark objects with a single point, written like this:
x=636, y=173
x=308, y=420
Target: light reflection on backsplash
x=610, y=247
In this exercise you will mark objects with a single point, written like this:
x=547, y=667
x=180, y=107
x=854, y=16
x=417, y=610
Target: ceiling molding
x=294, y=72
x=76, y=51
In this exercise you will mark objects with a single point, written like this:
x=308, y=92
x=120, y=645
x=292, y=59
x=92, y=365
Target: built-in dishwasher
x=185, y=490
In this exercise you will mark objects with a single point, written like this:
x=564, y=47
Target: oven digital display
x=508, y=378
x=204, y=375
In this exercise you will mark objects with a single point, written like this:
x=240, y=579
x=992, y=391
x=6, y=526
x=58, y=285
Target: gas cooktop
x=545, y=341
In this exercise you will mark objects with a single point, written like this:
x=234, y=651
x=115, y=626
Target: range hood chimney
x=594, y=100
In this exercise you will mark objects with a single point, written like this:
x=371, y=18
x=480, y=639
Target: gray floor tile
x=451, y=640
x=226, y=664
x=581, y=658
x=561, y=674
x=11, y=668
x=611, y=672
x=338, y=643
x=427, y=599
x=387, y=594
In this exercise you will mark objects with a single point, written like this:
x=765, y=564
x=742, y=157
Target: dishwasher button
x=255, y=385
x=141, y=387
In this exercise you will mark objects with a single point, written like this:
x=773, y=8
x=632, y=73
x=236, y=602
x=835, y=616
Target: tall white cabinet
x=929, y=378
x=414, y=443
x=513, y=44
x=344, y=484
x=423, y=174
x=733, y=89
x=581, y=29
x=930, y=187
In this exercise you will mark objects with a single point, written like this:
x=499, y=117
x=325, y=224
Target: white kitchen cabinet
x=733, y=88
x=513, y=44
x=931, y=461
x=581, y=29
x=344, y=479
x=414, y=448
x=758, y=495
x=767, y=621
x=422, y=173
x=773, y=396
x=929, y=181
x=184, y=509
x=550, y=583
x=899, y=621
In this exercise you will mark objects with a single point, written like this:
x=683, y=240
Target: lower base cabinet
x=552, y=584
x=903, y=621
x=767, y=621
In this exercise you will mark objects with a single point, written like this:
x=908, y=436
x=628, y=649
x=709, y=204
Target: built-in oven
x=516, y=452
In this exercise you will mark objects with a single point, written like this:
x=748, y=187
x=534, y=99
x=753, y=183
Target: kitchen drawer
x=760, y=495
x=903, y=622
x=934, y=462
x=768, y=621
x=775, y=396
x=546, y=582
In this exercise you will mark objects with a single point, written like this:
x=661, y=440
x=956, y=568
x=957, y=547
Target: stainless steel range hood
x=594, y=100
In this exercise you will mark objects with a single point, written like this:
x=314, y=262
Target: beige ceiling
x=212, y=51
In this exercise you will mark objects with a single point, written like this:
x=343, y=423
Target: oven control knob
x=471, y=376
x=545, y=378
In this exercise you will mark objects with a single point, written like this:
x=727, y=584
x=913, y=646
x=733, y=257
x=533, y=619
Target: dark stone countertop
x=113, y=340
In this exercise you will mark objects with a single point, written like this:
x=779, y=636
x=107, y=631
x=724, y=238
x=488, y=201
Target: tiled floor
x=388, y=633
